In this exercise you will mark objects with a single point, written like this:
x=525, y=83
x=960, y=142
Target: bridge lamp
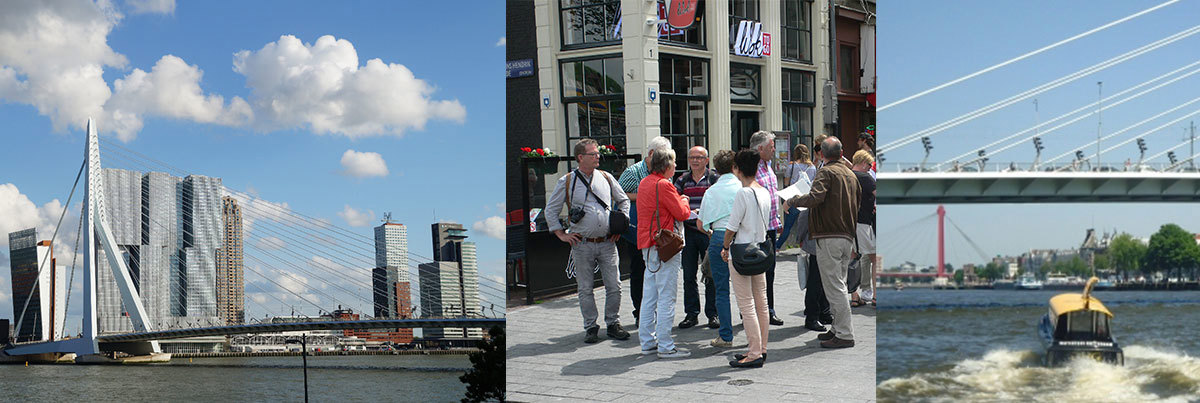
x=1037, y=144
x=1171, y=156
x=303, y=340
x=1141, y=143
x=926, y=143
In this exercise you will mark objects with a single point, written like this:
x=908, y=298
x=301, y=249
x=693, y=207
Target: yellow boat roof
x=1066, y=303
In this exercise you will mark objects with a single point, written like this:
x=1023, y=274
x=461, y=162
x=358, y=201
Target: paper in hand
x=796, y=189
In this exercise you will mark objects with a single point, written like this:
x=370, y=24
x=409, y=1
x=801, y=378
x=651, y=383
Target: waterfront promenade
x=548, y=360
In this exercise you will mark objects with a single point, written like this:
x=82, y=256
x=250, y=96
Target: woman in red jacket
x=658, y=198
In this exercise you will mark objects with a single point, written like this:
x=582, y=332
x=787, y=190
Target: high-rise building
x=231, y=288
x=168, y=230
x=450, y=285
x=389, y=279
x=44, y=316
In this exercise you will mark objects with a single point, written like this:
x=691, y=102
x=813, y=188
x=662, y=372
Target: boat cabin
x=1079, y=319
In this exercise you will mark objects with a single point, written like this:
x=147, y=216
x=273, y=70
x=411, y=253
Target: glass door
x=744, y=124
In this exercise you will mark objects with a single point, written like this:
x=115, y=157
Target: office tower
x=446, y=237
x=451, y=282
x=231, y=288
x=391, y=268
x=168, y=230
x=45, y=314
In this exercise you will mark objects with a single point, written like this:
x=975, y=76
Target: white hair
x=760, y=138
x=658, y=143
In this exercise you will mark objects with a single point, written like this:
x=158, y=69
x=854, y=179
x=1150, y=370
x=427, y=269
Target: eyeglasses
x=595, y=154
x=694, y=158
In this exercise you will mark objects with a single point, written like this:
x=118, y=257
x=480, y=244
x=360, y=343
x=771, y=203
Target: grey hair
x=660, y=159
x=831, y=148
x=581, y=146
x=760, y=138
x=658, y=143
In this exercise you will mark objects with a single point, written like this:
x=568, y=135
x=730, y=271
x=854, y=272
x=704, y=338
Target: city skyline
x=427, y=111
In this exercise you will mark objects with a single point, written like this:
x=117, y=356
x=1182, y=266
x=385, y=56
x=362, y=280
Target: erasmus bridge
x=336, y=279
x=1146, y=161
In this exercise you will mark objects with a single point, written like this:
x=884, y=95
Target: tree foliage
x=1172, y=249
x=1126, y=254
x=485, y=381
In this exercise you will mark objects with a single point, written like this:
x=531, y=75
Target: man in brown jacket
x=833, y=203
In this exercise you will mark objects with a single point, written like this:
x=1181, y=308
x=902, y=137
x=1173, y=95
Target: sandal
x=854, y=303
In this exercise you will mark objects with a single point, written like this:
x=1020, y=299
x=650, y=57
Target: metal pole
x=1192, y=146
x=304, y=357
x=1099, y=122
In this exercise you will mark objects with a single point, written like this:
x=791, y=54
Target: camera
x=576, y=214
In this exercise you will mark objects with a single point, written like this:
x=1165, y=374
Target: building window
x=797, y=31
x=740, y=10
x=799, y=97
x=745, y=84
x=593, y=96
x=848, y=68
x=691, y=37
x=590, y=23
x=683, y=82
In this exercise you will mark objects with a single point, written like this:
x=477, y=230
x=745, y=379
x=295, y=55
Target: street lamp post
x=1099, y=122
x=304, y=356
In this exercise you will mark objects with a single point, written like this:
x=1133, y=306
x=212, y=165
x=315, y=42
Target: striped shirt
x=766, y=177
x=633, y=176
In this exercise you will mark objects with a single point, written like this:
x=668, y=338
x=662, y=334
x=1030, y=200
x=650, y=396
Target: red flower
x=526, y=149
x=540, y=152
x=610, y=147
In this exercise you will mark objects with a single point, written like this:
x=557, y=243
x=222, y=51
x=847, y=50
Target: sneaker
x=713, y=323
x=718, y=342
x=615, y=331
x=837, y=343
x=826, y=336
x=676, y=353
x=689, y=321
x=592, y=336
x=652, y=350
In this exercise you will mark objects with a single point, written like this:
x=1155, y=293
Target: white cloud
x=151, y=6
x=271, y=243
x=492, y=226
x=322, y=85
x=171, y=89
x=502, y=42
x=363, y=164
x=356, y=218
x=258, y=297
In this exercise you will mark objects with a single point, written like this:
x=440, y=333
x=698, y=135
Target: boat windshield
x=1083, y=325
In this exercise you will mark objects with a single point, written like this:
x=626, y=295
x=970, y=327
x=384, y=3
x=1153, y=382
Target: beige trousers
x=751, y=293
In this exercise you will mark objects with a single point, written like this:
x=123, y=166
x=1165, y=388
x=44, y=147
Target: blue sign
x=546, y=100
x=518, y=68
x=653, y=94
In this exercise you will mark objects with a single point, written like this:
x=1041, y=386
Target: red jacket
x=670, y=208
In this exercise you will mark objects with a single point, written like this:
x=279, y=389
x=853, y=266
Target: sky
x=342, y=111
x=939, y=41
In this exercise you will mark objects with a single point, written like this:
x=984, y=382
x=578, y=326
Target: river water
x=331, y=378
x=956, y=345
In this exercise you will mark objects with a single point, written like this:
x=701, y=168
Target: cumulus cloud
x=502, y=42
x=492, y=226
x=271, y=243
x=322, y=85
x=171, y=89
x=363, y=164
x=356, y=218
x=151, y=6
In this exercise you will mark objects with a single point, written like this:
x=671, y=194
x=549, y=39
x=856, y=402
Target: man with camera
x=594, y=201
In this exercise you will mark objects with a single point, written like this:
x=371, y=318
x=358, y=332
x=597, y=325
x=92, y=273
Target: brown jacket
x=833, y=201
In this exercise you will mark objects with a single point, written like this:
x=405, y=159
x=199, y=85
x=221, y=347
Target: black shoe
x=592, y=336
x=713, y=323
x=814, y=326
x=689, y=321
x=752, y=364
x=637, y=320
x=739, y=357
x=837, y=343
x=775, y=321
x=615, y=331
x=826, y=319
x=825, y=336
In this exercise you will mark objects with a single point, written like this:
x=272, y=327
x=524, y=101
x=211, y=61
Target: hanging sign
x=749, y=39
x=683, y=13
x=766, y=44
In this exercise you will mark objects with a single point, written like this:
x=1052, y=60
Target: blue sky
x=252, y=93
x=925, y=44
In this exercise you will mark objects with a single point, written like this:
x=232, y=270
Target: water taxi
x=1028, y=282
x=1078, y=325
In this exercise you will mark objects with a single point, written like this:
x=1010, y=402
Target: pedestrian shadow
x=618, y=365
x=554, y=345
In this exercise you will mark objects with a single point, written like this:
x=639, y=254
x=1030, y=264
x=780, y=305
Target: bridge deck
x=1037, y=187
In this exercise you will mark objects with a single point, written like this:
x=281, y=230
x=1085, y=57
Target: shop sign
x=683, y=13
x=749, y=40
x=518, y=68
x=766, y=39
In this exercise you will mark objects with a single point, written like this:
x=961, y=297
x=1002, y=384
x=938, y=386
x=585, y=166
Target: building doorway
x=744, y=124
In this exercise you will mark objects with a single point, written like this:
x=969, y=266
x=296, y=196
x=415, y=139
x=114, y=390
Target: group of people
x=715, y=210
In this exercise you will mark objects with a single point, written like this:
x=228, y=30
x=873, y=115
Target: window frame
x=758, y=84
x=569, y=101
x=806, y=29
x=735, y=19
x=696, y=29
x=685, y=99
x=584, y=4
x=806, y=101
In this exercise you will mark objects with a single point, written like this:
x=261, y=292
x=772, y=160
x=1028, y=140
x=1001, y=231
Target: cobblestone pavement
x=547, y=359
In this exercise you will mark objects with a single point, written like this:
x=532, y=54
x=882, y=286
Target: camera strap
x=589, y=188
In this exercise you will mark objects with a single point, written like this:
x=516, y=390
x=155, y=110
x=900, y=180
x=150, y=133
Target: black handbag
x=753, y=258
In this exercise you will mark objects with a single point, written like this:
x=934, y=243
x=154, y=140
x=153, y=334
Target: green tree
x=1102, y=262
x=958, y=277
x=1126, y=254
x=1172, y=248
x=485, y=381
x=1076, y=267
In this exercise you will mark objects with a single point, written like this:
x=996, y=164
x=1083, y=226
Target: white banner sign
x=749, y=39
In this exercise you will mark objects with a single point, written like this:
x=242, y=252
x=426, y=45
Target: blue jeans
x=658, y=301
x=789, y=218
x=720, y=275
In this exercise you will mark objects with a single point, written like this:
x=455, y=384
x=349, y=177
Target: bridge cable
x=42, y=265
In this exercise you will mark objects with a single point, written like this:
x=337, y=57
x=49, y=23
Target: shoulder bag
x=668, y=241
x=618, y=222
x=753, y=258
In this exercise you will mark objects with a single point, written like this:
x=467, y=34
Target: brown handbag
x=668, y=241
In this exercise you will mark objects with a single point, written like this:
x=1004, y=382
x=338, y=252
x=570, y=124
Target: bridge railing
x=914, y=167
